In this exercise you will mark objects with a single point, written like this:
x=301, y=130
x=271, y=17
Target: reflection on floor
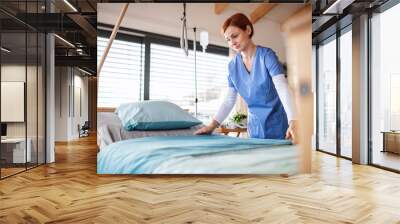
x=10, y=169
x=387, y=159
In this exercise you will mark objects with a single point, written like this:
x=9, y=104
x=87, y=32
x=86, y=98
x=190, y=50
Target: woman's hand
x=206, y=130
x=291, y=132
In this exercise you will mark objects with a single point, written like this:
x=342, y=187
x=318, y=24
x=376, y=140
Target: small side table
x=226, y=131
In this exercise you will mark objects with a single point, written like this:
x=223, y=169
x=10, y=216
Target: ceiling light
x=5, y=50
x=338, y=6
x=65, y=41
x=70, y=5
x=79, y=51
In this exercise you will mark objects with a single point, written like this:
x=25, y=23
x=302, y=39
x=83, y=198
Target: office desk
x=391, y=141
x=13, y=150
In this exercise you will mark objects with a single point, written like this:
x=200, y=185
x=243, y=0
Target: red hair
x=239, y=20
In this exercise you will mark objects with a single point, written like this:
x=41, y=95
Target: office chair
x=84, y=130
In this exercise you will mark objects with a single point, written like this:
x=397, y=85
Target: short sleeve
x=272, y=63
x=230, y=72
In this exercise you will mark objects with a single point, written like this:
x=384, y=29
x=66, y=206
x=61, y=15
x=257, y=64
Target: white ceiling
x=165, y=18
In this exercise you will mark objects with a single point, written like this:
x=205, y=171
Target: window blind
x=172, y=78
x=121, y=78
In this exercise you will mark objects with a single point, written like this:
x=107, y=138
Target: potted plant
x=239, y=120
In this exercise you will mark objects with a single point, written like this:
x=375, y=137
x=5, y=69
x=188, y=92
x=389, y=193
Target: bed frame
x=106, y=109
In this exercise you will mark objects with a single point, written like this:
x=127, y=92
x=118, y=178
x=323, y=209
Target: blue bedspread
x=210, y=153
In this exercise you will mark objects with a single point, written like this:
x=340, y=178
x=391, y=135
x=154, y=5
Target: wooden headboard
x=105, y=109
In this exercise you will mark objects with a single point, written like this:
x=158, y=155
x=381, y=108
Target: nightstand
x=226, y=131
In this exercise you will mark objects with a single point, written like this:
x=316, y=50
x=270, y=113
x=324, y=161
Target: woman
x=256, y=74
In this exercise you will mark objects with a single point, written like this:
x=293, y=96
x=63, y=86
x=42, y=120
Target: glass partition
x=41, y=96
x=13, y=95
x=31, y=98
x=22, y=88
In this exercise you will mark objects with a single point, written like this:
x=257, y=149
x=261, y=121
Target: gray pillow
x=154, y=115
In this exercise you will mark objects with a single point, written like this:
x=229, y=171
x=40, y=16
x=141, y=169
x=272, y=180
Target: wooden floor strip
x=70, y=191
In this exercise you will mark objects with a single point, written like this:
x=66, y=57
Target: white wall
x=61, y=103
x=67, y=80
x=12, y=73
x=33, y=127
x=80, y=83
x=165, y=19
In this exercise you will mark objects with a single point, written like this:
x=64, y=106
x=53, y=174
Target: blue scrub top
x=266, y=115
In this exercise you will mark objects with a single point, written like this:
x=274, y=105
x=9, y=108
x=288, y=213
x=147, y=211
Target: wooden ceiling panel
x=220, y=7
x=261, y=11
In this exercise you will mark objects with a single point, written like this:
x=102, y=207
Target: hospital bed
x=179, y=151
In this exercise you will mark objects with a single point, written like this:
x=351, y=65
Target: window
x=385, y=88
x=121, y=78
x=334, y=106
x=327, y=96
x=314, y=85
x=346, y=94
x=171, y=74
x=394, y=101
x=172, y=78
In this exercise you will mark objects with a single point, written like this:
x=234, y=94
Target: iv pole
x=184, y=46
x=195, y=72
x=184, y=39
x=203, y=42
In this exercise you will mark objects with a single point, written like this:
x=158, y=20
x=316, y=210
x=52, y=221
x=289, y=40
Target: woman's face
x=237, y=38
